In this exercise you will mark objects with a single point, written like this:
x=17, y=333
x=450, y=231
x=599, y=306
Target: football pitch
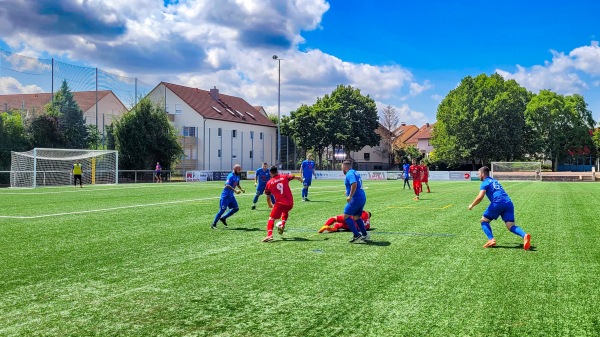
x=141, y=260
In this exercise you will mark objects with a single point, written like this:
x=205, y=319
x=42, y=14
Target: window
x=378, y=167
x=251, y=154
x=251, y=115
x=367, y=156
x=219, y=153
x=261, y=135
x=251, y=134
x=189, y=131
x=178, y=109
x=219, y=133
x=234, y=156
x=233, y=133
x=217, y=110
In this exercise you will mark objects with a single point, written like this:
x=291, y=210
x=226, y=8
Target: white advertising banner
x=439, y=175
x=250, y=175
x=198, y=175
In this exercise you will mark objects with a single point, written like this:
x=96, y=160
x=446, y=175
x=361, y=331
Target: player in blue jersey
x=406, y=174
x=232, y=186
x=308, y=171
x=356, y=200
x=500, y=205
x=260, y=182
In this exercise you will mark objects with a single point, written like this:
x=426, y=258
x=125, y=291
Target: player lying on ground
x=336, y=223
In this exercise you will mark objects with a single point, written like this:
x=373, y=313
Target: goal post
x=54, y=167
x=530, y=171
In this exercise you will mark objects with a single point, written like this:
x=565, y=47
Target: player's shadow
x=518, y=246
x=295, y=239
x=245, y=229
x=378, y=243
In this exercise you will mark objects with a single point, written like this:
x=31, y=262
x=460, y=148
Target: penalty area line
x=104, y=209
x=417, y=207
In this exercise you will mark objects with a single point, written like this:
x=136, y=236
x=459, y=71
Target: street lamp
x=278, y=112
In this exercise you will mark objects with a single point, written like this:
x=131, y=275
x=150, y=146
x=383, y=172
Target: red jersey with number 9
x=279, y=186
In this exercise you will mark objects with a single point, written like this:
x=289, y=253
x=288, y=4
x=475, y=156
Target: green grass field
x=141, y=260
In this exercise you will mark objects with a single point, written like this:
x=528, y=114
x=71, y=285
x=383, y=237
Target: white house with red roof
x=217, y=130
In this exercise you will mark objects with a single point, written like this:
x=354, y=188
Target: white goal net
x=54, y=167
x=516, y=171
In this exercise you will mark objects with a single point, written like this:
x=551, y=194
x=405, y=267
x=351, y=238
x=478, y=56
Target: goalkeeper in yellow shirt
x=77, y=173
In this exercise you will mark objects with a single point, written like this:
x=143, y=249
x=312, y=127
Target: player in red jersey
x=415, y=173
x=425, y=176
x=336, y=223
x=279, y=186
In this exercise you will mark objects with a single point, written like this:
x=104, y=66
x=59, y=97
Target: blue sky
x=408, y=54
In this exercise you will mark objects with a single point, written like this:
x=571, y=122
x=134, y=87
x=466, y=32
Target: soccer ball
x=278, y=224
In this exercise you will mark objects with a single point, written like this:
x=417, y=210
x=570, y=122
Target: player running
x=336, y=223
x=232, y=185
x=260, y=182
x=308, y=171
x=279, y=185
x=500, y=205
x=415, y=172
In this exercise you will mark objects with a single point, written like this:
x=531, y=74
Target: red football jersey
x=279, y=186
x=424, y=172
x=415, y=172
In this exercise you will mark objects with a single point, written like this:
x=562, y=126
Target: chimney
x=214, y=93
x=403, y=124
x=427, y=124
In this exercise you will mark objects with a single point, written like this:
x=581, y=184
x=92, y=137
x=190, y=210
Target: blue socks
x=517, y=230
x=218, y=216
x=487, y=229
x=272, y=199
x=305, y=193
x=255, y=199
x=361, y=226
x=352, y=225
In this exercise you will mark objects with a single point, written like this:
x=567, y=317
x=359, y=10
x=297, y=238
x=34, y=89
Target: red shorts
x=426, y=180
x=279, y=209
x=416, y=183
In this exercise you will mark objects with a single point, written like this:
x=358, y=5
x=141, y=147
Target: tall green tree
x=359, y=114
x=144, y=136
x=71, y=121
x=482, y=120
x=559, y=124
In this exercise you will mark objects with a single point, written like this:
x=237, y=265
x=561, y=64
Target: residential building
x=217, y=130
x=403, y=135
x=422, y=139
x=109, y=107
x=373, y=158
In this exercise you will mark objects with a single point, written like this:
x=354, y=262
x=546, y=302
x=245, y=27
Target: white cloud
x=406, y=114
x=563, y=73
x=416, y=88
x=437, y=97
x=9, y=86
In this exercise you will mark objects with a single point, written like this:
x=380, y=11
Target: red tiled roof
x=424, y=132
x=232, y=108
x=85, y=100
x=404, y=134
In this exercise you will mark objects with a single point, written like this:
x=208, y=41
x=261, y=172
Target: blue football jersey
x=232, y=180
x=263, y=176
x=307, y=168
x=353, y=177
x=494, y=191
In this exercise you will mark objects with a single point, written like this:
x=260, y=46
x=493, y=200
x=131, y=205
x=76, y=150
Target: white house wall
x=109, y=107
x=208, y=143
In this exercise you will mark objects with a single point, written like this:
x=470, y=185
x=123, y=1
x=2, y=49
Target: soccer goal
x=54, y=167
x=516, y=171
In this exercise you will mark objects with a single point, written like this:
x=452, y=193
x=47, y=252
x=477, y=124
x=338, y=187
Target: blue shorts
x=228, y=202
x=307, y=181
x=506, y=210
x=260, y=189
x=355, y=207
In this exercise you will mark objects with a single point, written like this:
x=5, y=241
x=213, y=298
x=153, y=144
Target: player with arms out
x=260, y=182
x=415, y=173
x=232, y=185
x=308, y=171
x=279, y=185
x=336, y=223
x=500, y=205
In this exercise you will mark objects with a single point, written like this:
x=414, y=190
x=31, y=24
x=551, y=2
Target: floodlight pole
x=278, y=111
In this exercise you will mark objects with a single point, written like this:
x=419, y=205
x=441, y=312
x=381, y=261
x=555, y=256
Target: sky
x=405, y=54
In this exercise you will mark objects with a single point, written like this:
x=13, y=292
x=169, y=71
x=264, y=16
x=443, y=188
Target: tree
x=12, y=137
x=110, y=137
x=560, y=124
x=308, y=131
x=71, y=121
x=407, y=153
x=389, y=121
x=482, y=120
x=359, y=116
x=144, y=136
x=45, y=132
